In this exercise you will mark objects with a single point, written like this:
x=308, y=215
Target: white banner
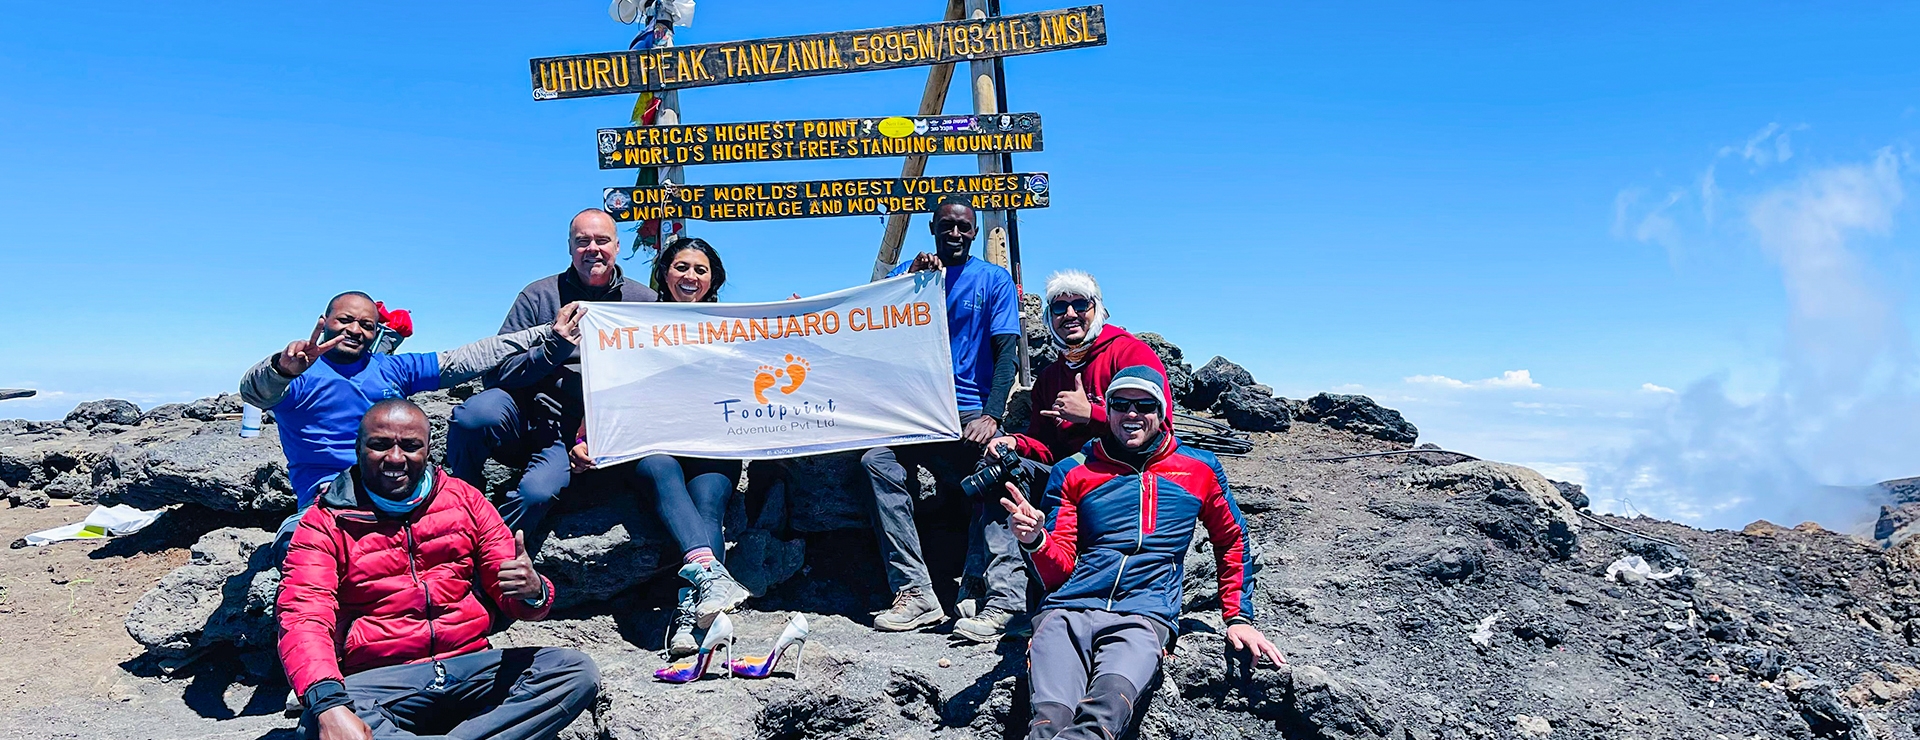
x=852, y=369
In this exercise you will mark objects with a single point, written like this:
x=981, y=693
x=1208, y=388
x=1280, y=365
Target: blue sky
x=1572, y=237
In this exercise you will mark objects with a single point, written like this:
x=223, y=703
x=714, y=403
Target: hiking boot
x=680, y=638
x=988, y=626
x=715, y=591
x=913, y=608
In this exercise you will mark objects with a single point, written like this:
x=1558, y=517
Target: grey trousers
x=516, y=694
x=893, y=503
x=1087, y=668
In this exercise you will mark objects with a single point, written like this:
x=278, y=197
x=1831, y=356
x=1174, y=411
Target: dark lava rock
x=164, y=413
x=1247, y=408
x=1360, y=415
x=1213, y=379
x=1572, y=492
x=106, y=411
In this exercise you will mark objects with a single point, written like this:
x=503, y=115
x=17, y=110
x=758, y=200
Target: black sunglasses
x=1142, y=405
x=1059, y=308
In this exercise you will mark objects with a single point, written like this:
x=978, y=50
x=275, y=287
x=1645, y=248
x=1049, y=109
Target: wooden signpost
x=973, y=32
x=787, y=57
x=820, y=198
x=832, y=138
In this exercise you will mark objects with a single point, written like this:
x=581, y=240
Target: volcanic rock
x=1253, y=409
x=107, y=411
x=1357, y=414
x=1212, y=380
x=222, y=598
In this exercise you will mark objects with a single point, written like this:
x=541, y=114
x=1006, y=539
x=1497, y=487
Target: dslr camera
x=1000, y=467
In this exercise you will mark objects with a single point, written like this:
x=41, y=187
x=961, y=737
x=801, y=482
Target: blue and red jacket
x=1116, y=535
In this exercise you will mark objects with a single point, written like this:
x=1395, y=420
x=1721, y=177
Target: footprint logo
x=797, y=369
x=769, y=376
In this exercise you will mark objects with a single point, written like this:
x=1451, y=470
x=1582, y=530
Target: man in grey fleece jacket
x=319, y=388
x=534, y=402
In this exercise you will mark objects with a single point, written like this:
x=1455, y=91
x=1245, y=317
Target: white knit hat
x=1075, y=282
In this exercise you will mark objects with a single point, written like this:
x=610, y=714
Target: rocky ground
x=1421, y=595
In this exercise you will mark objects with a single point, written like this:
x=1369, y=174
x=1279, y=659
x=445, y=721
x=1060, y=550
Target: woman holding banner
x=689, y=493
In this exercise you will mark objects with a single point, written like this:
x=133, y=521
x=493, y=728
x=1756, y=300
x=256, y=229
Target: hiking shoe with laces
x=988, y=626
x=680, y=639
x=913, y=608
x=715, y=591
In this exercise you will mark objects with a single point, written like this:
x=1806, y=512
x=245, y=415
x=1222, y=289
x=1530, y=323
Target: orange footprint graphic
x=797, y=368
x=764, y=379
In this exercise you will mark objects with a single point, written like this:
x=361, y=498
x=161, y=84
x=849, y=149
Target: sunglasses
x=1143, y=405
x=1081, y=305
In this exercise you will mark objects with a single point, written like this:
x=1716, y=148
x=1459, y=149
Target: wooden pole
x=933, y=101
x=993, y=224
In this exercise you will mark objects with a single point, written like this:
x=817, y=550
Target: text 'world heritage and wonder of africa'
x=820, y=198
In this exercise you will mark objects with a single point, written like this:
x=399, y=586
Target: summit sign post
x=832, y=138
x=841, y=52
x=820, y=198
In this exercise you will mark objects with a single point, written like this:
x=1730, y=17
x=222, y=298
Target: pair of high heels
x=720, y=637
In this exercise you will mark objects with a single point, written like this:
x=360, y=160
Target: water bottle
x=249, y=421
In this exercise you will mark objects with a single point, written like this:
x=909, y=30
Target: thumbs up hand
x=517, y=577
x=1022, y=518
x=1072, y=407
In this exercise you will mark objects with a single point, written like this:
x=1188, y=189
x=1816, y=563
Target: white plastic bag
x=105, y=521
x=1633, y=568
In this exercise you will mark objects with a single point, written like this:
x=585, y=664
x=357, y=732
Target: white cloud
x=1508, y=379
x=1651, y=388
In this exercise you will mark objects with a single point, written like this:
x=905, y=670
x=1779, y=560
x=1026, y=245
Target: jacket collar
x=346, y=494
x=1097, y=449
x=572, y=278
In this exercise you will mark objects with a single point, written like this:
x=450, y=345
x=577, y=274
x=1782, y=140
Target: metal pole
x=933, y=100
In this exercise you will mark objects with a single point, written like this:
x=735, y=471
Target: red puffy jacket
x=1051, y=440
x=364, y=590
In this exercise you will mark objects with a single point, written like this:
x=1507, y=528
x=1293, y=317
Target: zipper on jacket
x=1139, y=534
x=426, y=595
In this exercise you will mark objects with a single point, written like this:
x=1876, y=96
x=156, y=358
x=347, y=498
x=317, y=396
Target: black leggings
x=690, y=495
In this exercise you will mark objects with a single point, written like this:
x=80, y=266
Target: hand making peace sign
x=1025, y=521
x=301, y=354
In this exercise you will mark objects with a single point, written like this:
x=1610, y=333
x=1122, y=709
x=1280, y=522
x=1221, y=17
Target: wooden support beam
x=933, y=100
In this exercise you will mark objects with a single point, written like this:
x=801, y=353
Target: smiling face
x=1071, y=326
x=357, y=319
x=689, y=276
x=594, y=242
x=393, y=449
x=953, y=232
x=1135, y=426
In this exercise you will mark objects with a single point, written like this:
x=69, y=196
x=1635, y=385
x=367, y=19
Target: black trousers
x=516, y=694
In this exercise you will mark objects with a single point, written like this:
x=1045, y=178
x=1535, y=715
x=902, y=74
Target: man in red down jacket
x=1067, y=408
x=1110, y=550
x=381, y=632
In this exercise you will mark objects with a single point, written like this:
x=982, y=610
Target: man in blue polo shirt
x=320, y=387
x=983, y=326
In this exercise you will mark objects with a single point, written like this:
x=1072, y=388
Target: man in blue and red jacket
x=1110, y=552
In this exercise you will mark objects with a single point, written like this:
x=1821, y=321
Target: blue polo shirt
x=982, y=302
x=319, y=418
